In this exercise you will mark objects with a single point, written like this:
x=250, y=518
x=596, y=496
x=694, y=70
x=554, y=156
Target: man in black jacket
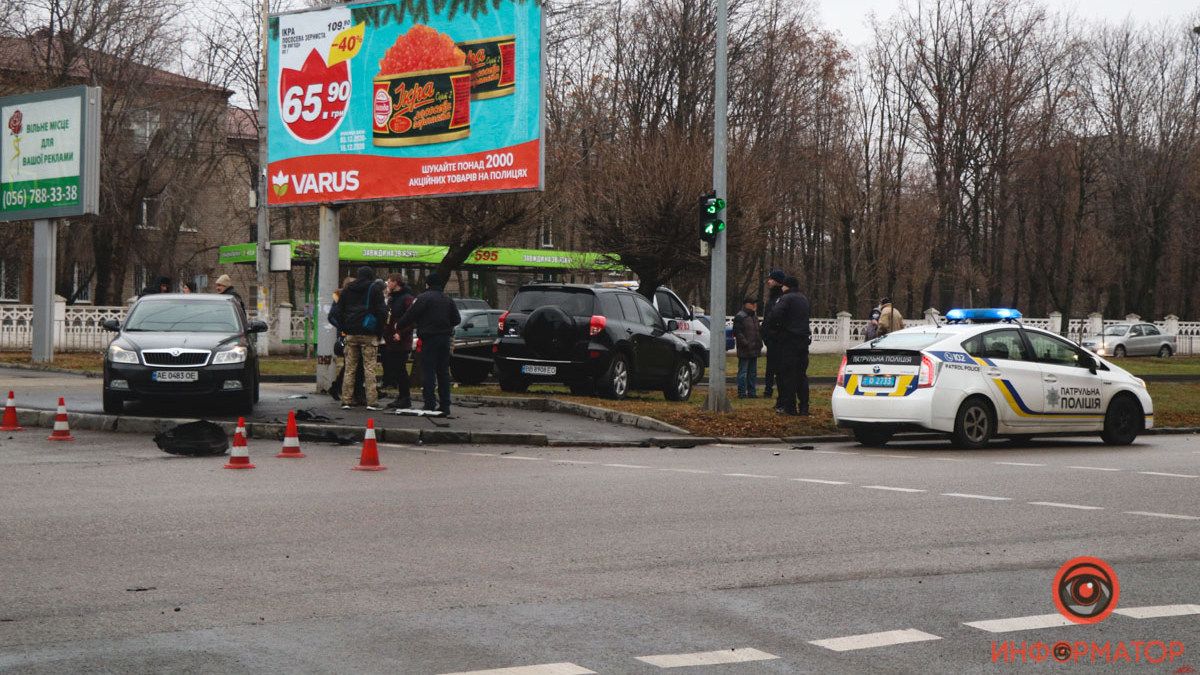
x=435, y=315
x=789, y=321
x=774, y=291
x=397, y=344
x=360, y=313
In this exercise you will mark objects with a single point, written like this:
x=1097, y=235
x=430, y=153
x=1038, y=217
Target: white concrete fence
x=78, y=329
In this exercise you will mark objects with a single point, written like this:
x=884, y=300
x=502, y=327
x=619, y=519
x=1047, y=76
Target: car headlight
x=1140, y=382
x=234, y=355
x=119, y=355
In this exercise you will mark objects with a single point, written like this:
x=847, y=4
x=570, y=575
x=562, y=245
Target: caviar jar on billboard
x=493, y=65
x=423, y=91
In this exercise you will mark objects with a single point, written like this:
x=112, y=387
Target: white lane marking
x=1018, y=464
x=897, y=456
x=1169, y=475
x=1162, y=515
x=572, y=461
x=684, y=470
x=535, y=459
x=822, y=481
x=748, y=475
x=1021, y=623
x=835, y=452
x=869, y=640
x=1081, y=507
x=891, y=489
x=480, y=454
x=971, y=496
x=948, y=459
x=541, y=669
x=627, y=466
x=1093, y=468
x=1156, y=611
x=739, y=655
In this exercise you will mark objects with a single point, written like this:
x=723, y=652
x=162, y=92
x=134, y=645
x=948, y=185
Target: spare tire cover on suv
x=550, y=333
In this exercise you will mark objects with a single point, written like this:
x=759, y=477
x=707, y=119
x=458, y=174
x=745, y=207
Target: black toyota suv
x=602, y=340
x=194, y=346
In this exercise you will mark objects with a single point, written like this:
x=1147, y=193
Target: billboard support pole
x=263, y=229
x=327, y=282
x=718, y=401
x=44, y=255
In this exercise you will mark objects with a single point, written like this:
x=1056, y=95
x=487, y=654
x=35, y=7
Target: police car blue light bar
x=983, y=314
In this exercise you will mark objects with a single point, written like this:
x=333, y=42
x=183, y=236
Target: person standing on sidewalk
x=397, y=343
x=789, y=319
x=774, y=291
x=435, y=315
x=748, y=341
x=361, y=313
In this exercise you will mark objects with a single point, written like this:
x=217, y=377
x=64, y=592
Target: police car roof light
x=983, y=315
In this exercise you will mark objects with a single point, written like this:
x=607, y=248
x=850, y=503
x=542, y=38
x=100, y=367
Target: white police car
x=980, y=375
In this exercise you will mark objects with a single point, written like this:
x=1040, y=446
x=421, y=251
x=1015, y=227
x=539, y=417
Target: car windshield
x=1116, y=330
x=572, y=303
x=183, y=316
x=913, y=341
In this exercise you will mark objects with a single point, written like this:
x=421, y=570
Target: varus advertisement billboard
x=404, y=98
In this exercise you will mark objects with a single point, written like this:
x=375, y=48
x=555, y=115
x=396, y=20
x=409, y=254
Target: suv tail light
x=927, y=374
x=841, y=378
x=500, y=322
x=596, y=325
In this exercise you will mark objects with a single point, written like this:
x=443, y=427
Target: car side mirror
x=111, y=325
x=469, y=325
x=257, y=327
x=1088, y=361
x=672, y=325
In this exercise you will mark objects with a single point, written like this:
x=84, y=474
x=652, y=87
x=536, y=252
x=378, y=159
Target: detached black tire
x=614, y=382
x=974, y=425
x=113, y=404
x=873, y=437
x=1123, y=421
x=679, y=386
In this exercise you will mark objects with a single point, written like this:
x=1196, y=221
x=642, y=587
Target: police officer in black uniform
x=789, y=321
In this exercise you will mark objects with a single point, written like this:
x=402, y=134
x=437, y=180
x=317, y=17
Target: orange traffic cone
x=10, y=416
x=370, y=452
x=62, y=432
x=239, y=455
x=291, y=439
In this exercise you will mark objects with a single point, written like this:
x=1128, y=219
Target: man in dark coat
x=774, y=290
x=789, y=321
x=435, y=315
x=360, y=313
x=161, y=285
x=224, y=286
x=748, y=341
x=397, y=343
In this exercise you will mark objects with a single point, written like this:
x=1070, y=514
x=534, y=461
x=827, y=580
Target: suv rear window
x=572, y=302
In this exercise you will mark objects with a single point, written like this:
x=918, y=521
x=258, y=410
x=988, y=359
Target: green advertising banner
x=422, y=254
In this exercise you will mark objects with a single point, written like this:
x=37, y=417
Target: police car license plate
x=175, y=375
x=879, y=381
x=539, y=370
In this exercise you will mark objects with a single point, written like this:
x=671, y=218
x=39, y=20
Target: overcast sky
x=849, y=17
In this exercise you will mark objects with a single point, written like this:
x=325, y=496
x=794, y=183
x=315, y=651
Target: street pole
x=327, y=283
x=263, y=237
x=717, y=400
x=45, y=244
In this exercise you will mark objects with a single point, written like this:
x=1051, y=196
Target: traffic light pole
x=717, y=400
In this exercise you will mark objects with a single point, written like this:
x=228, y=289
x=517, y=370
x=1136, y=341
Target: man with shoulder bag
x=361, y=314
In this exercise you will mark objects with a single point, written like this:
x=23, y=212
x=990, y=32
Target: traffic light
x=711, y=224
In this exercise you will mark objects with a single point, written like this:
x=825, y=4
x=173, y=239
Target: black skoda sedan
x=183, y=346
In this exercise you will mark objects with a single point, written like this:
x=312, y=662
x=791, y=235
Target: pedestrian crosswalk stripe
x=1021, y=623
x=541, y=669
x=740, y=655
x=871, y=640
x=1156, y=611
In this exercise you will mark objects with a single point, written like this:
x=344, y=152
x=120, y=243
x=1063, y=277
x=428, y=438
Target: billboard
x=404, y=98
x=50, y=154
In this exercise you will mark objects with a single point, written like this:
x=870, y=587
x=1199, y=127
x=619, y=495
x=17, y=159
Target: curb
x=321, y=433
x=51, y=369
x=570, y=407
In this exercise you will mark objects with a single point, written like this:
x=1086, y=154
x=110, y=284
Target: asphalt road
x=117, y=557
x=35, y=389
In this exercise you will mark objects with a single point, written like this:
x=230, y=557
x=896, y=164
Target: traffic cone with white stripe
x=369, y=461
x=239, y=454
x=10, y=416
x=291, y=439
x=62, y=431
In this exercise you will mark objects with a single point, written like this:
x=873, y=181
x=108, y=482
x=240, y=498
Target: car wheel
x=1123, y=421
x=1119, y=352
x=873, y=437
x=513, y=383
x=679, y=388
x=1164, y=352
x=974, y=425
x=113, y=403
x=582, y=387
x=614, y=383
x=698, y=365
